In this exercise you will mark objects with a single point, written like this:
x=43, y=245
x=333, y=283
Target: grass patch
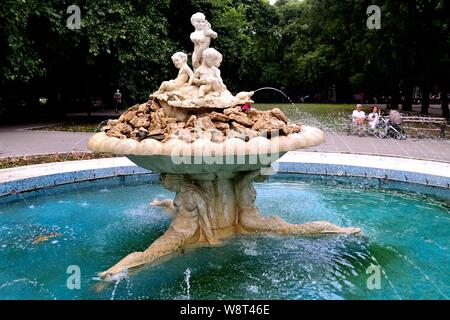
x=12, y=162
x=318, y=109
x=71, y=127
x=330, y=117
x=336, y=117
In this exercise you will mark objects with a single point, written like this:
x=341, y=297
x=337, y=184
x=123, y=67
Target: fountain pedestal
x=219, y=192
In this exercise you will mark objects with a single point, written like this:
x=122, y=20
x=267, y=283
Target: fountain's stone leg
x=211, y=207
x=250, y=219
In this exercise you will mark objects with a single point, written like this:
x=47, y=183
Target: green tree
x=121, y=44
x=304, y=47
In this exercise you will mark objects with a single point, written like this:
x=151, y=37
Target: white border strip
x=435, y=168
x=425, y=172
x=38, y=170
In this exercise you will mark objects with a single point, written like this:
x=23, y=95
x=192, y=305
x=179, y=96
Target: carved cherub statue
x=190, y=225
x=201, y=37
x=185, y=75
x=207, y=76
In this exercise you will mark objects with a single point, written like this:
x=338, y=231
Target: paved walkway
x=17, y=141
x=426, y=149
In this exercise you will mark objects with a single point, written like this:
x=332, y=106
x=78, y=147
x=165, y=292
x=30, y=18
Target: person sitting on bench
x=358, y=117
x=373, y=118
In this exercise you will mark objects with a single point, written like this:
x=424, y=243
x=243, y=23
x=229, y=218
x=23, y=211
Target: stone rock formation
x=151, y=119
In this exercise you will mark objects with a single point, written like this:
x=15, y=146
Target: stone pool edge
x=417, y=171
x=422, y=172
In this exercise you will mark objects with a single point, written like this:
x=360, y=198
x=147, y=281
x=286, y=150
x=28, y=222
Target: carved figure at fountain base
x=210, y=208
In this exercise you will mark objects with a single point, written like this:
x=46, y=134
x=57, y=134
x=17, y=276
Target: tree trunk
x=394, y=102
x=407, y=102
x=425, y=101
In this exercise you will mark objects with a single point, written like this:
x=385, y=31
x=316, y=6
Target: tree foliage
x=305, y=47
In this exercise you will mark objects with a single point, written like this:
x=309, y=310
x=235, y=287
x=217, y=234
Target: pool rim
x=410, y=171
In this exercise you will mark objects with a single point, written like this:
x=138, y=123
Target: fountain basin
x=308, y=137
x=206, y=157
x=223, y=165
x=103, y=219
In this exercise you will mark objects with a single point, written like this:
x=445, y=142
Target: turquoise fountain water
x=406, y=234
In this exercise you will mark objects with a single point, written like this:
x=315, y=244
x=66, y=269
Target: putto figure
x=207, y=76
x=185, y=75
x=201, y=37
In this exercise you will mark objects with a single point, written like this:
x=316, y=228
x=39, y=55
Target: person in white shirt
x=373, y=117
x=358, y=117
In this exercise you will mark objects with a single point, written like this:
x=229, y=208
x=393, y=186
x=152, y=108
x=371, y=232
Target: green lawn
x=333, y=117
x=312, y=108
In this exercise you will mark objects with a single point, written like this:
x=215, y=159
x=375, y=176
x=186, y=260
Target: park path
x=17, y=141
x=426, y=149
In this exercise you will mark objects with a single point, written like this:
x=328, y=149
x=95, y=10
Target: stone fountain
x=209, y=146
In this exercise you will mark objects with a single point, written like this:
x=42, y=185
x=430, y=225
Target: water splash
x=295, y=113
x=79, y=141
x=277, y=90
x=117, y=278
x=113, y=294
x=414, y=265
x=15, y=281
x=29, y=205
x=186, y=283
x=383, y=272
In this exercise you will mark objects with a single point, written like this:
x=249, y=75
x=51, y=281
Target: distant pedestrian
x=99, y=103
x=117, y=101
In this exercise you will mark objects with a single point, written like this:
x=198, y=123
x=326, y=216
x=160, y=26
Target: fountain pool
x=96, y=223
